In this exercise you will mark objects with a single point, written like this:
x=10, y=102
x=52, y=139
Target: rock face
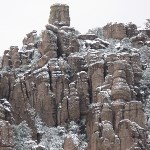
x=60, y=78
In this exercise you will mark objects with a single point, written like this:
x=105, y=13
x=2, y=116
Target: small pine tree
x=97, y=31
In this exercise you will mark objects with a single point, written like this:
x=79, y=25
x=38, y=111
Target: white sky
x=19, y=17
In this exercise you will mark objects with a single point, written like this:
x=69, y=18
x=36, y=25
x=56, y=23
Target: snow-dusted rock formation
x=74, y=92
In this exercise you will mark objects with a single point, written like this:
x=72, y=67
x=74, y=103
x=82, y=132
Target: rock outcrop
x=59, y=15
x=115, y=31
x=75, y=88
x=119, y=31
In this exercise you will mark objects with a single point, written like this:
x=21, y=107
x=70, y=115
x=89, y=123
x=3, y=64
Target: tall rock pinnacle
x=59, y=15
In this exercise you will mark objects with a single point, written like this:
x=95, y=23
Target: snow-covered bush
x=74, y=132
x=53, y=138
x=22, y=137
x=145, y=55
x=97, y=31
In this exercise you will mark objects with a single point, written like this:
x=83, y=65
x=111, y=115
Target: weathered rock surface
x=6, y=130
x=69, y=145
x=131, y=133
x=6, y=135
x=66, y=77
x=49, y=44
x=67, y=41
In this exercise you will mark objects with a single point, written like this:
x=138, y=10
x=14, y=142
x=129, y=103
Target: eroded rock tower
x=59, y=15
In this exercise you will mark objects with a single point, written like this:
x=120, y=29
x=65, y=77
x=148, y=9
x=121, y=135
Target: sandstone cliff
x=75, y=92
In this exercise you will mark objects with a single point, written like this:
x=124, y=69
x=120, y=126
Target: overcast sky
x=19, y=17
